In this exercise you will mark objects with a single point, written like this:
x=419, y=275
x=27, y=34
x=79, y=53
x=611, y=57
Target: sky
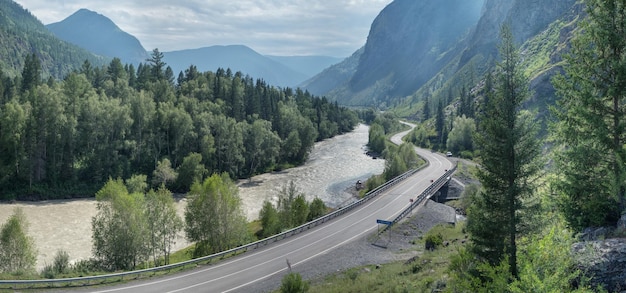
x=271, y=27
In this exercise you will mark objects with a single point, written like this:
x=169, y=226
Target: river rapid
x=333, y=168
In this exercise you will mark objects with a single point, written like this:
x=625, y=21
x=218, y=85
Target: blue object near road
x=384, y=222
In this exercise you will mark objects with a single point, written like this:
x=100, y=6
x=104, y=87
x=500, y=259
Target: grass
x=425, y=273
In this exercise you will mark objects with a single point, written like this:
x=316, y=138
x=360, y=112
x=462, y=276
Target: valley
x=334, y=166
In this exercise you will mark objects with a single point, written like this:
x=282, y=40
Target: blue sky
x=274, y=27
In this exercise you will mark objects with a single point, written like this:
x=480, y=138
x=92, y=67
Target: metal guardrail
x=52, y=283
x=426, y=194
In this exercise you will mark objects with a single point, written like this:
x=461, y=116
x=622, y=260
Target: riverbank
x=333, y=164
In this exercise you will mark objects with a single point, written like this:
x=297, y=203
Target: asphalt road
x=240, y=273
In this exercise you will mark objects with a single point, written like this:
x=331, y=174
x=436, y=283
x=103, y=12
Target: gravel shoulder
x=362, y=251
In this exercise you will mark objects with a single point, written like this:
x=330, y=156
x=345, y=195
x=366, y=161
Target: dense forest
x=66, y=138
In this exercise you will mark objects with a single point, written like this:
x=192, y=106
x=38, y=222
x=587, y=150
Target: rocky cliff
x=428, y=48
x=409, y=42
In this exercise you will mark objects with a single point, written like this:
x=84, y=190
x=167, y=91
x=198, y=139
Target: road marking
x=434, y=160
x=285, y=255
x=292, y=239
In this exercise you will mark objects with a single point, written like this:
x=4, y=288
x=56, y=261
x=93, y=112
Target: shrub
x=433, y=240
x=61, y=262
x=293, y=283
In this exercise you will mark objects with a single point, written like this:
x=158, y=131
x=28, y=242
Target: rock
x=595, y=233
x=378, y=267
x=604, y=261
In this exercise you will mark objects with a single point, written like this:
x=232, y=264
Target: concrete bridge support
x=442, y=195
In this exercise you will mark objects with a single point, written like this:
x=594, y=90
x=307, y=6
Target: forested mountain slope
x=414, y=50
x=22, y=34
x=541, y=28
x=408, y=43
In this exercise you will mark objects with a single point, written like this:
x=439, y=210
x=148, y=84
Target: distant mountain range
x=237, y=58
x=415, y=50
x=100, y=35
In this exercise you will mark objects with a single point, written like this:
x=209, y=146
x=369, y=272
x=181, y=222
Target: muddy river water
x=333, y=167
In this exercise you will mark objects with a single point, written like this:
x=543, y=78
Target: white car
x=449, y=154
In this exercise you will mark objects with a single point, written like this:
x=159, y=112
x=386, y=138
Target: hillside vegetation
x=22, y=34
x=61, y=139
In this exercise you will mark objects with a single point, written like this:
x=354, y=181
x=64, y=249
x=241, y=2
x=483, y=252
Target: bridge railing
x=93, y=280
x=425, y=195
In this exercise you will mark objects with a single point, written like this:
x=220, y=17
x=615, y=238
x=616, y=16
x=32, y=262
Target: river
x=334, y=165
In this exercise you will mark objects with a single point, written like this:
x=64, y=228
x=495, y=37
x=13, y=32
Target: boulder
x=604, y=261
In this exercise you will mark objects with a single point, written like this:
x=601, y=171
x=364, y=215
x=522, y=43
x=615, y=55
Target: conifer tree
x=509, y=151
x=591, y=127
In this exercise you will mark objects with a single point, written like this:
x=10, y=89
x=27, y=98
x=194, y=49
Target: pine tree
x=509, y=151
x=591, y=127
x=31, y=74
x=156, y=60
x=440, y=125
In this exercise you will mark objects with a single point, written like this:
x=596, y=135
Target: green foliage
x=509, y=153
x=427, y=272
x=213, y=217
x=120, y=237
x=270, y=220
x=67, y=137
x=461, y=137
x=23, y=35
x=317, y=208
x=545, y=265
x=61, y=263
x=591, y=129
x=293, y=283
x=17, y=249
x=286, y=199
x=422, y=136
x=137, y=183
x=376, y=138
x=432, y=240
x=164, y=173
x=293, y=210
x=300, y=210
x=163, y=223
x=190, y=171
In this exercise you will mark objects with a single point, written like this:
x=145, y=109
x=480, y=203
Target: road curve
x=240, y=273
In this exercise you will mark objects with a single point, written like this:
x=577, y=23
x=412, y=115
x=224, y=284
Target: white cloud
x=278, y=27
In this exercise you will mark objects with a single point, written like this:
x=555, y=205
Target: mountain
x=98, y=34
x=431, y=49
x=22, y=34
x=308, y=65
x=408, y=43
x=237, y=58
x=542, y=29
x=334, y=76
